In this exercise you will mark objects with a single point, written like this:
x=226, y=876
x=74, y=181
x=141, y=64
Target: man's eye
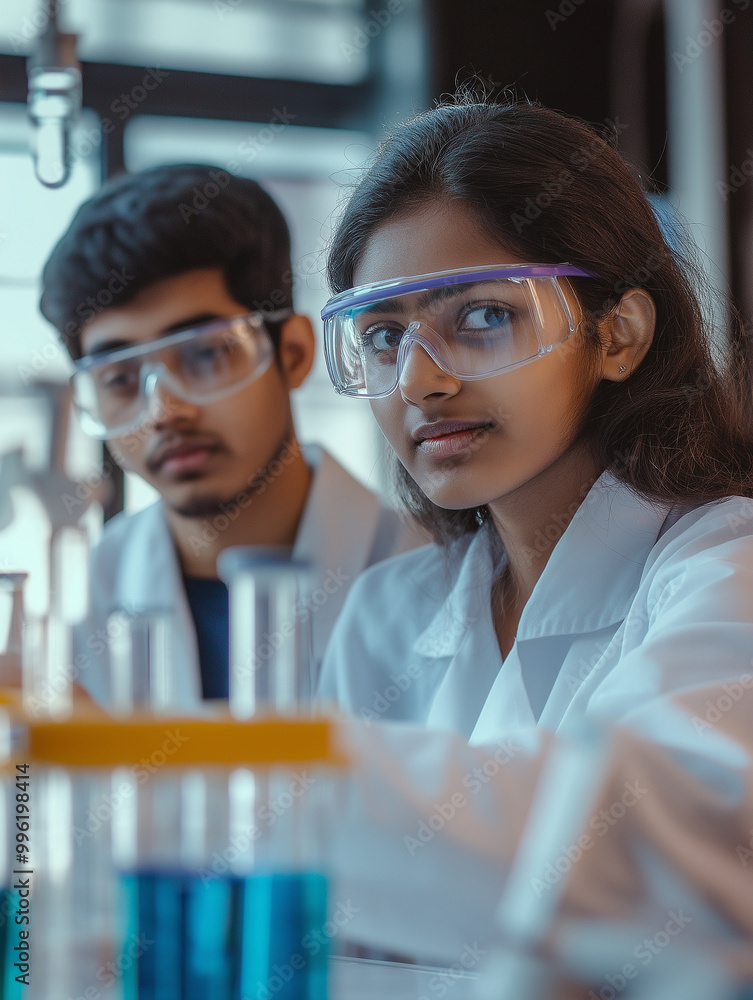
x=117, y=379
x=486, y=317
x=383, y=338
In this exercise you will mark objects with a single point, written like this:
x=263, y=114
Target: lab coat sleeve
x=427, y=846
x=424, y=834
x=438, y=847
x=693, y=629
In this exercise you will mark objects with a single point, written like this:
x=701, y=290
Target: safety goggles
x=116, y=392
x=473, y=322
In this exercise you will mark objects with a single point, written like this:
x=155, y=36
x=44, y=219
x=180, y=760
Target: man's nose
x=165, y=403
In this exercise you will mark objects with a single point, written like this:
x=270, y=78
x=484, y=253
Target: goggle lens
x=471, y=329
x=113, y=393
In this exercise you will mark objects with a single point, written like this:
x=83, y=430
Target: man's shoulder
x=123, y=527
x=393, y=531
x=408, y=580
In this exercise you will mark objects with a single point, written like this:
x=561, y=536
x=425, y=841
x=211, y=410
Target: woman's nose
x=421, y=376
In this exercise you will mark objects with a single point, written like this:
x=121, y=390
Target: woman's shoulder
x=717, y=529
x=729, y=517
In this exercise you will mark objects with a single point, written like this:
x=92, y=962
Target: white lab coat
x=344, y=529
x=642, y=619
x=616, y=619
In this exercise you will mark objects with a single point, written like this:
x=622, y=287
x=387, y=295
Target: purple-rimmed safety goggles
x=473, y=322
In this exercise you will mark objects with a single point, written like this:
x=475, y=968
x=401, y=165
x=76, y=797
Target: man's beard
x=214, y=504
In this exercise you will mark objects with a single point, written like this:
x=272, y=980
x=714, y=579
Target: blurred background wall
x=673, y=79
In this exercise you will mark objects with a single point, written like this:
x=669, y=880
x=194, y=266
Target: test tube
x=270, y=640
x=11, y=627
x=140, y=660
x=215, y=900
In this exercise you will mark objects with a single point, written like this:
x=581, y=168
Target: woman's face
x=516, y=425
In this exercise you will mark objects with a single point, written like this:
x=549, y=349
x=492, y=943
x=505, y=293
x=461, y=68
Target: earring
x=623, y=369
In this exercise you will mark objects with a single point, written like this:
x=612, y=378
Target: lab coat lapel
x=579, y=601
x=463, y=629
x=149, y=576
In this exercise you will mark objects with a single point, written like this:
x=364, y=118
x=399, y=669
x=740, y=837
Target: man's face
x=199, y=456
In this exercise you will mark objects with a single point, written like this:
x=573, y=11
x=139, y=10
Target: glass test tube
x=11, y=627
x=141, y=660
x=270, y=639
x=213, y=902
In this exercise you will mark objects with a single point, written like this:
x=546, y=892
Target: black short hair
x=140, y=228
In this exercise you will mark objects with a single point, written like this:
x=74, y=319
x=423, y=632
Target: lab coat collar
x=337, y=532
x=149, y=577
x=587, y=584
x=340, y=519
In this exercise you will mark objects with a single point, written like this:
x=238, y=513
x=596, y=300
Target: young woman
x=535, y=354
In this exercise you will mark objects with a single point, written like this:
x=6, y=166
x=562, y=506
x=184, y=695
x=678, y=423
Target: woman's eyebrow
x=444, y=292
x=396, y=304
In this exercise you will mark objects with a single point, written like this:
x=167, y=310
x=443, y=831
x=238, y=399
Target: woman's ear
x=627, y=333
x=296, y=350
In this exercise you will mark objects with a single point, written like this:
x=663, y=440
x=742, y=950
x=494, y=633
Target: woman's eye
x=486, y=317
x=383, y=338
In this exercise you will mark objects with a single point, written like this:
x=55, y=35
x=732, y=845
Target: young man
x=187, y=346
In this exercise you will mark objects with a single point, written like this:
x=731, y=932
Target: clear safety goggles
x=473, y=322
x=115, y=392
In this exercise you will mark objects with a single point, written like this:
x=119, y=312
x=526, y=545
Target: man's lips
x=445, y=438
x=183, y=456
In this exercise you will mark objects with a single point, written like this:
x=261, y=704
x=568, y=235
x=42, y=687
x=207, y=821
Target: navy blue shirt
x=209, y=604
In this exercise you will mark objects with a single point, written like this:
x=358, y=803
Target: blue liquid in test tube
x=225, y=938
x=9, y=988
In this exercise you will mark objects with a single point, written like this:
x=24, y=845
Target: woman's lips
x=447, y=439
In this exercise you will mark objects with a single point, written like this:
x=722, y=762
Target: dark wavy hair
x=143, y=227
x=550, y=189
